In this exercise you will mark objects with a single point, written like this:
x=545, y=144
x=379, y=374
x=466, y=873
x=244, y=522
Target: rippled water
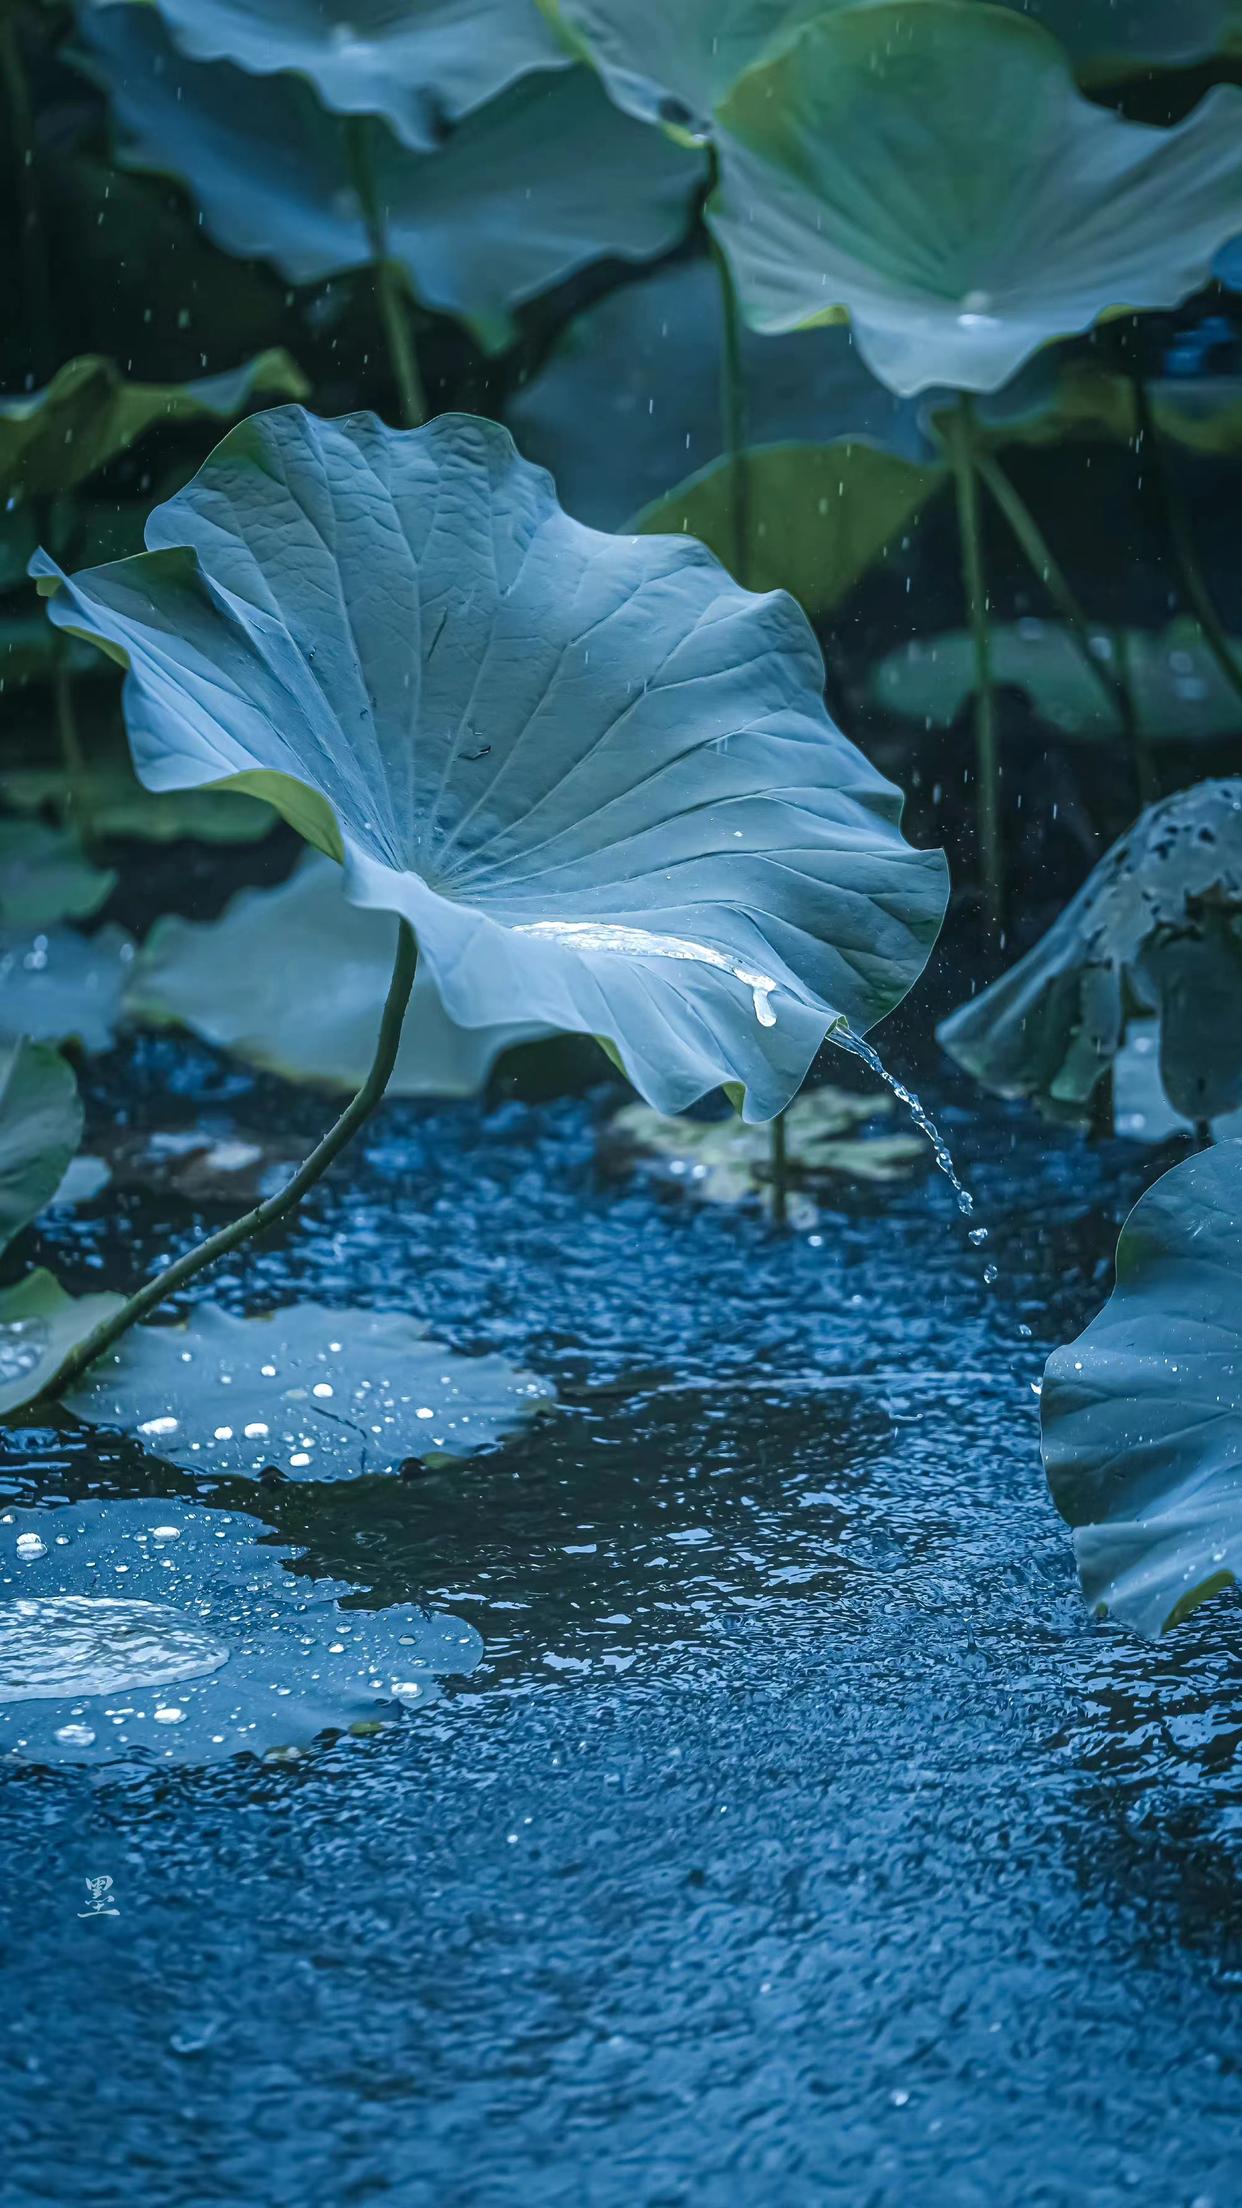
x=798, y=1839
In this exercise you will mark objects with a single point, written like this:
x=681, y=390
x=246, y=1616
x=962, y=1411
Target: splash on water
x=846, y=1039
x=609, y=935
x=54, y=1646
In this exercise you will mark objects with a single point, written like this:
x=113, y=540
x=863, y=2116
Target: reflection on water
x=798, y=1837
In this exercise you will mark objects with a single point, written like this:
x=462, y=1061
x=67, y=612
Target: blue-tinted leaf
x=62, y=987
x=40, y=1129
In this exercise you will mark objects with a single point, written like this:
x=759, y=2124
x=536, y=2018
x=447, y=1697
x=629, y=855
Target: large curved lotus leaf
x=1142, y=1415
x=675, y=64
x=161, y=1631
x=314, y=1393
x=52, y=439
x=1179, y=691
x=596, y=777
x=61, y=987
x=857, y=173
x=39, y=1326
x=45, y=876
x=420, y=66
x=40, y=1129
x=628, y=403
x=819, y=515
x=1156, y=929
x=293, y=980
x=541, y=182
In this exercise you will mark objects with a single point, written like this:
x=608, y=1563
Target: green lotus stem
x=77, y=772
x=733, y=407
x=1039, y=554
x=962, y=446
x=32, y=244
x=275, y=1207
x=778, y=1156
x=1194, y=582
x=391, y=288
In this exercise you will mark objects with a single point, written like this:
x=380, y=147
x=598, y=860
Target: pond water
x=798, y=1837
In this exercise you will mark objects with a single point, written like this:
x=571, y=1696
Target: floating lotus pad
x=596, y=776
x=541, y=182
x=628, y=403
x=676, y=64
x=160, y=1630
x=723, y=1161
x=45, y=876
x=293, y=980
x=1142, y=1415
x=314, y=1394
x=51, y=440
x=1180, y=694
x=855, y=176
x=419, y=67
x=62, y=987
x=39, y=1326
x=40, y=1129
x=820, y=516
x=1157, y=929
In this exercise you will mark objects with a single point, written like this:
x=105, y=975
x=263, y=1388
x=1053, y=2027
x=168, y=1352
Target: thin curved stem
x=962, y=446
x=1039, y=554
x=1195, y=586
x=391, y=289
x=274, y=1207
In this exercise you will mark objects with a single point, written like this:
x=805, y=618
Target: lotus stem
x=778, y=1160
x=32, y=244
x=1039, y=554
x=391, y=289
x=963, y=452
x=733, y=407
x=77, y=772
x=273, y=1208
x=1195, y=586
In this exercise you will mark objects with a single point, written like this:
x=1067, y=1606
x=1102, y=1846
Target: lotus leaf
x=676, y=64
x=628, y=403
x=596, y=776
x=723, y=1161
x=1053, y=400
x=39, y=1326
x=45, y=876
x=1142, y=1415
x=162, y=1631
x=316, y=1394
x=1156, y=929
x=53, y=439
x=855, y=175
x=820, y=515
x=538, y=184
x=1179, y=691
x=120, y=807
x=62, y=987
x=293, y=980
x=40, y=1129
x=419, y=67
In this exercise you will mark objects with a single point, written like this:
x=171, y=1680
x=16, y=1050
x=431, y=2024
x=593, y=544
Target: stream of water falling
x=845, y=1039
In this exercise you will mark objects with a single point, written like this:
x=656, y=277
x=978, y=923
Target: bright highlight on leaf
x=554, y=752
x=857, y=173
x=1142, y=1415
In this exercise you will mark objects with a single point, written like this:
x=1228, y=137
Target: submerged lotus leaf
x=628, y=402
x=61, y=987
x=675, y=64
x=1142, y=1415
x=820, y=516
x=313, y=1393
x=723, y=1161
x=856, y=175
x=541, y=182
x=1180, y=692
x=52, y=439
x=595, y=775
x=419, y=66
x=40, y=1129
x=1157, y=929
x=293, y=980
x=39, y=1326
x=162, y=1631
x=45, y=876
